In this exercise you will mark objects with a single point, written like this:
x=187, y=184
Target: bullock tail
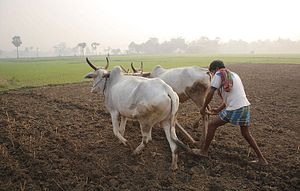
x=174, y=108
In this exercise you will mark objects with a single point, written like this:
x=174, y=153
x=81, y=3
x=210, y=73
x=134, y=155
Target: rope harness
x=104, y=85
x=105, y=77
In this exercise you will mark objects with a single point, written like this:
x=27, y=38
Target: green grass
x=17, y=73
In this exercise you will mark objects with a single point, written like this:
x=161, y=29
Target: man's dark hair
x=216, y=64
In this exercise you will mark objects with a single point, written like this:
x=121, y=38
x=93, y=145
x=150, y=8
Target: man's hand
x=214, y=111
x=202, y=111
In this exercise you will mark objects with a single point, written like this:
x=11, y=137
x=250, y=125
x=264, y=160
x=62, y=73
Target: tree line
x=203, y=45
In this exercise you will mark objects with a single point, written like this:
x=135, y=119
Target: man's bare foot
x=199, y=152
x=260, y=162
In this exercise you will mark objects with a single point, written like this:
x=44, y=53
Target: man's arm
x=220, y=108
x=208, y=99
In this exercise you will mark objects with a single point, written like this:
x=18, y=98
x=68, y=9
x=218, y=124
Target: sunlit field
x=19, y=73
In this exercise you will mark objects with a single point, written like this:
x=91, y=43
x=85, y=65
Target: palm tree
x=17, y=42
x=61, y=48
x=94, y=47
x=82, y=47
x=37, y=52
x=75, y=50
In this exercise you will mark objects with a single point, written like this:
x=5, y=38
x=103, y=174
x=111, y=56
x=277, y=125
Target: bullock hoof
x=174, y=167
x=129, y=145
x=124, y=142
x=136, y=152
x=198, y=152
x=139, y=149
x=197, y=143
x=260, y=162
x=196, y=124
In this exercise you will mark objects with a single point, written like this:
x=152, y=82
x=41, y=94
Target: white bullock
x=188, y=82
x=149, y=101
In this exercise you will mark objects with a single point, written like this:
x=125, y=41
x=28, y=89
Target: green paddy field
x=31, y=72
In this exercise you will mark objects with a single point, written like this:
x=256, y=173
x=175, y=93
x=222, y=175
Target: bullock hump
x=116, y=71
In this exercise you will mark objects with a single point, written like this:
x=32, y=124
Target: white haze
x=116, y=23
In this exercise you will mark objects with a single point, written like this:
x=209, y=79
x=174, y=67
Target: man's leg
x=246, y=134
x=212, y=126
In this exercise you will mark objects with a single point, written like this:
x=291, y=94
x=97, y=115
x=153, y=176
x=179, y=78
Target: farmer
x=235, y=108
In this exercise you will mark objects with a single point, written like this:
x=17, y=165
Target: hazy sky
x=116, y=23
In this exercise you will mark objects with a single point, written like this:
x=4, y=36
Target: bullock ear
x=90, y=75
x=146, y=74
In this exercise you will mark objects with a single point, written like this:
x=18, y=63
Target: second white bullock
x=188, y=82
x=149, y=101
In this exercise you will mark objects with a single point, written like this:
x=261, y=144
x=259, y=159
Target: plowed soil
x=61, y=138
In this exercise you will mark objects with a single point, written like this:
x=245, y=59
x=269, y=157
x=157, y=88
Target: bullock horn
x=124, y=70
x=91, y=65
x=107, y=63
x=134, y=70
x=142, y=67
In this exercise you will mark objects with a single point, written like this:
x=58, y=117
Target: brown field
x=60, y=138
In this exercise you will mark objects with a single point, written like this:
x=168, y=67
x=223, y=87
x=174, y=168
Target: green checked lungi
x=239, y=116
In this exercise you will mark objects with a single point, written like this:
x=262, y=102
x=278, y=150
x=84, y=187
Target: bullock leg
x=149, y=135
x=172, y=144
x=197, y=94
x=122, y=125
x=146, y=134
x=115, y=123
